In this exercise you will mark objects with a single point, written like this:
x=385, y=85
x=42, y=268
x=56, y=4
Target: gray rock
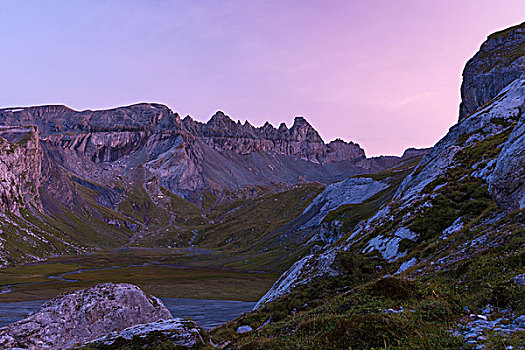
x=99, y=145
x=182, y=333
x=349, y=191
x=388, y=245
x=244, y=329
x=520, y=321
x=507, y=181
x=518, y=279
x=499, y=61
x=20, y=168
x=84, y=315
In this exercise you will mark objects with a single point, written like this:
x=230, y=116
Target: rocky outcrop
x=507, y=180
x=83, y=315
x=20, y=168
x=503, y=113
x=181, y=333
x=415, y=152
x=349, y=191
x=499, y=61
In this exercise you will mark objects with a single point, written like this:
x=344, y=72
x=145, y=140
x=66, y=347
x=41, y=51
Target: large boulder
x=83, y=315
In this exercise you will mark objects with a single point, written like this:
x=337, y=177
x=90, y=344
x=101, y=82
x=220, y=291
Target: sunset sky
x=385, y=74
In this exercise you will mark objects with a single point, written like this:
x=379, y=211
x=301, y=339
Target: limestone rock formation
x=102, y=146
x=182, y=333
x=349, y=191
x=20, y=168
x=507, y=181
x=97, y=176
x=83, y=315
x=499, y=61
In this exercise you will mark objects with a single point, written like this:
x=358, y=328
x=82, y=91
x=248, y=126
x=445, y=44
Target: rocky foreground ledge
x=102, y=313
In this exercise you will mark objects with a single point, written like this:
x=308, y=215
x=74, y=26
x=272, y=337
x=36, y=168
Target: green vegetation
x=249, y=228
x=351, y=311
x=342, y=313
x=464, y=271
x=163, y=273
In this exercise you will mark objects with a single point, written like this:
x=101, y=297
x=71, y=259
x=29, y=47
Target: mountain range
x=53, y=157
x=424, y=251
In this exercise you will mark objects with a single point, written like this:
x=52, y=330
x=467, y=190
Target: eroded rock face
x=83, y=315
x=507, y=181
x=349, y=191
x=20, y=168
x=184, y=155
x=499, y=61
x=486, y=122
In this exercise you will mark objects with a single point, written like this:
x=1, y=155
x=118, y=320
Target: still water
x=207, y=313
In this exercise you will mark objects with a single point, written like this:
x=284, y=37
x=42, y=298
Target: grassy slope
x=344, y=312
x=234, y=271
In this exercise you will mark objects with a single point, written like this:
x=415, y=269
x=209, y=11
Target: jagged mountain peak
x=219, y=118
x=184, y=154
x=283, y=127
x=303, y=130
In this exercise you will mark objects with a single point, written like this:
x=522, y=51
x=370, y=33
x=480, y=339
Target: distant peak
x=300, y=120
x=219, y=118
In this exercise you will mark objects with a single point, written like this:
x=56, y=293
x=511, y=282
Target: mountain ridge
x=152, y=135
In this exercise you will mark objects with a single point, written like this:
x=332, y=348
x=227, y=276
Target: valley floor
x=171, y=273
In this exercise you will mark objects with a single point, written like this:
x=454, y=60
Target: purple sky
x=385, y=74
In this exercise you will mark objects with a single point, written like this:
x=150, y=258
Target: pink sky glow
x=385, y=74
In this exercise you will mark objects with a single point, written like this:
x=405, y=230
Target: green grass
x=345, y=314
x=180, y=278
x=249, y=227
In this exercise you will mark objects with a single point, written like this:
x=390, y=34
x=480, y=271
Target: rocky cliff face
x=84, y=315
x=500, y=60
x=20, y=168
x=102, y=145
x=301, y=140
x=507, y=180
x=183, y=155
